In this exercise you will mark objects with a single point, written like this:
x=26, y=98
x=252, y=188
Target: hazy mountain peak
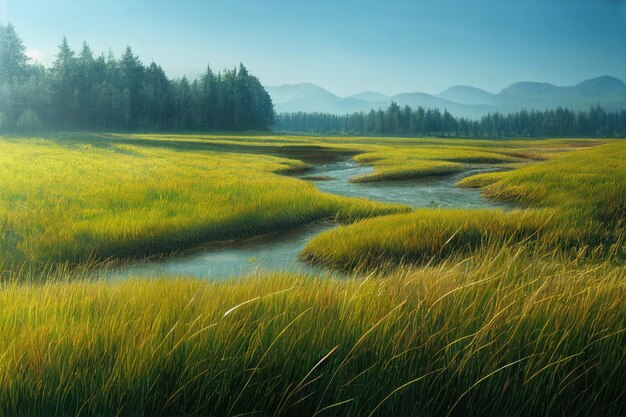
x=289, y=92
x=464, y=94
x=603, y=84
x=459, y=100
x=529, y=88
x=371, y=96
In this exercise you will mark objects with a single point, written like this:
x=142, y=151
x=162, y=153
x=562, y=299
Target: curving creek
x=279, y=252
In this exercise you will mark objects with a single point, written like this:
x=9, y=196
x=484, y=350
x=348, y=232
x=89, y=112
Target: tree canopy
x=82, y=91
x=559, y=122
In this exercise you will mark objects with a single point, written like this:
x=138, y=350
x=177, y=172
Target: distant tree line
x=560, y=122
x=83, y=91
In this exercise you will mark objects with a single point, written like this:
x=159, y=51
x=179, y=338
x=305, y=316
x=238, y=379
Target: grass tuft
x=515, y=330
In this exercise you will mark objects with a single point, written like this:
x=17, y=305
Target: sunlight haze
x=346, y=47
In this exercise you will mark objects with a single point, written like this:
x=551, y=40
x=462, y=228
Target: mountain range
x=460, y=100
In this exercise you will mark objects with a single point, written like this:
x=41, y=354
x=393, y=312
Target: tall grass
x=513, y=332
x=576, y=202
x=428, y=157
x=409, y=171
x=506, y=322
x=68, y=199
x=591, y=181
x=420, y=236
x=63, y=201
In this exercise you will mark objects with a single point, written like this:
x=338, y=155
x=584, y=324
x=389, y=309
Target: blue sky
x=346, y=46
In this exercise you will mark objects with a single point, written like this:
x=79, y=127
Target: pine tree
x=64, y=86
x=131, y=77
x=13, y=59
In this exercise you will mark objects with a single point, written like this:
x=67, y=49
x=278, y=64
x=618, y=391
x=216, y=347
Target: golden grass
x=68, y=199
x=592, y=179
x=421, y=158
x=508, y=321
x=419, y=236
x=513, y=331
x=409, y=170
x=62, y=202
x=581, y=195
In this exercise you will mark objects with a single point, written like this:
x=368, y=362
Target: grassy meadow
x=74, y=200
x=444, y=312
x=574, y=202
x=510, y=330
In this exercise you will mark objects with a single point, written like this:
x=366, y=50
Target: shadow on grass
x=306, y=153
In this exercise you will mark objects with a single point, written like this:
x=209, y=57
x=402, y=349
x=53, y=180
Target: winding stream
x=279, y=252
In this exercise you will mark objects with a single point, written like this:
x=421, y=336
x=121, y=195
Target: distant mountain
x=308, y=97
x=601, y=85
x=371, y=96
x=464, y=94
x=420, y=99
x=463, y=101
x=606, y=91
x=351, y=104
x=428, y=101
x=529, y=89
x=290, y=92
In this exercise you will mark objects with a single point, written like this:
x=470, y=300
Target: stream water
x=279, y=252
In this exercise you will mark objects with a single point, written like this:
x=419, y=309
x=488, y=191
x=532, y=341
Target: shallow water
x=279, y=252
x=427, y=192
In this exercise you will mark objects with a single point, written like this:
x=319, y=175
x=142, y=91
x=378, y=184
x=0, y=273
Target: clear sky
x=346, y=46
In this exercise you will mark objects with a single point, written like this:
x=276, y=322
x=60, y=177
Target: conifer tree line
x=84, y=91
x=560, y=122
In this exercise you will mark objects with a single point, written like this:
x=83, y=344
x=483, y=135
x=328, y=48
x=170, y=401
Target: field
x=79, y=200
x=575, y=202
x=442, y=313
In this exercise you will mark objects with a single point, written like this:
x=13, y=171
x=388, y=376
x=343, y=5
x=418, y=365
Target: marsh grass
x=515, y=330
x=486, y=317
x=72, y=199
x=64, y=202
x=419, y=237
x=575, y=203
x=410, y=171
x=428, y=158
x=592, y=180
x=318, y=178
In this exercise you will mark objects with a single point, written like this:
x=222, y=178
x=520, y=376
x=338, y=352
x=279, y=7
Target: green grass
x=419, y=236
x=74, y=200
x=575, y=203
x=492, y=313
x=590, y=181
x=427, y=158
x=514, y=332
x=410, y=171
